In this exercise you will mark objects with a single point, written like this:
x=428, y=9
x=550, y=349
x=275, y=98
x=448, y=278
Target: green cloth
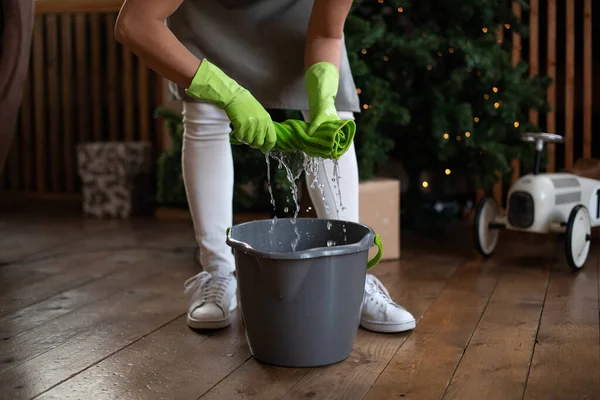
x=330, y=140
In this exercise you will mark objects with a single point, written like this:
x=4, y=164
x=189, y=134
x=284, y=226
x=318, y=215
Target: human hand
x=322, y=80
x=252, y=124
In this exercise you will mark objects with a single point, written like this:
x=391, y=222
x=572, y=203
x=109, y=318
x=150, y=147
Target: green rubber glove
x=322, y=81
x=252, y=124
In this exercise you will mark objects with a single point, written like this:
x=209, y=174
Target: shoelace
x=196, y=281
x=217, y=286
x=376, y=286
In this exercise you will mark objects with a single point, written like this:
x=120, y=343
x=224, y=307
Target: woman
x=228, y=60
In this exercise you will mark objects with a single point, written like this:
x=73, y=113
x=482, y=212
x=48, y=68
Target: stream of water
x=311, y=166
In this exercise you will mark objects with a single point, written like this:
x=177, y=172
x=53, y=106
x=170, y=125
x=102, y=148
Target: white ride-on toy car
x=544, y=203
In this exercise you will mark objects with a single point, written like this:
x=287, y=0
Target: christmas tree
x=438, y=86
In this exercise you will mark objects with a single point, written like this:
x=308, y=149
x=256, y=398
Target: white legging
x=208, y=177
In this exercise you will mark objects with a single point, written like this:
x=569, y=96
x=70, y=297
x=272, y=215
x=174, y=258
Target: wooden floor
x=95, y=310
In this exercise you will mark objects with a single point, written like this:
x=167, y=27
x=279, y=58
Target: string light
x=440, y=53
x=476, y=119
x=451, y=50
x=496, y=105
x=499, y=41
x=484, y=29
x=429, y=67
x=468, y=134
x=425, y=184
x=365, y=106
x=385, y=58
x=380, y=1
x=448, y=172
x=516, y=124
x=446, y=136
x=364, y=51
x=495, y=89
x=358, y=91
x=507, y=26
x=400, y=9
x=486, y=96
x=458, y=138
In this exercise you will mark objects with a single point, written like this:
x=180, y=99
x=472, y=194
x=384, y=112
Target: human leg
x=208, y=176
x=379, y=312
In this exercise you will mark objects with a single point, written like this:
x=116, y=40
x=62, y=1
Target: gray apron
x=258, y=43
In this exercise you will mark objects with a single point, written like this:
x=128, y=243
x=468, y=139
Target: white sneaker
x=380, y=313
x=213, y=300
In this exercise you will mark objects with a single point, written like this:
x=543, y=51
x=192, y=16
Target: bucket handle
x=377, y=257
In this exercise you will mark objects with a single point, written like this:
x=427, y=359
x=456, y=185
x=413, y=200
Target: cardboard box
x=379, y=208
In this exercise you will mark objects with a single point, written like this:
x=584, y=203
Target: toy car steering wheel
x=539, y=138
x=543, y=137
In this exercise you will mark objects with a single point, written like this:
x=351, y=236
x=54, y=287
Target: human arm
x=322, y=58
x=324, y=37
x=141, y=27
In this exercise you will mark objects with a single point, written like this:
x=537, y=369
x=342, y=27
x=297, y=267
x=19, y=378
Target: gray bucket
x=302, y=308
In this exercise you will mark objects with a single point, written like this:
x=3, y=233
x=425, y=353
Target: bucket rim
x=364, y=244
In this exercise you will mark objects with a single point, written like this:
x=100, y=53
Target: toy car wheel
x=578, y=238
x=486, y=235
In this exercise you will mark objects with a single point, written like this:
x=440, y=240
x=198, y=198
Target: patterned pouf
x=114, y=177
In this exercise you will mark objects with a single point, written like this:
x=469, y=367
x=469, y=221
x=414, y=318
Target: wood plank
x=496, y=361
x=66, y=22
x=551, y=91
x=423, y=366
x=497, y=192
x=82, y=78
x=372, y=351
x=54, y=155
x=587, y=79
x=97, y=67
x=19, y=294
x=112, y=90
x=133, y=364
x=77, y=6
x=255, y=380
x=129, y=272
x=534, y=44
x=128, y=84
x=516, y=58
x=516, y=170
x=369, y=352
x=144, y=103
x=497, y=189
x=83, y=338
x=40, y=94
x=569, y=84
x=33, y=236
x=25, y=136
x=566, y=360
